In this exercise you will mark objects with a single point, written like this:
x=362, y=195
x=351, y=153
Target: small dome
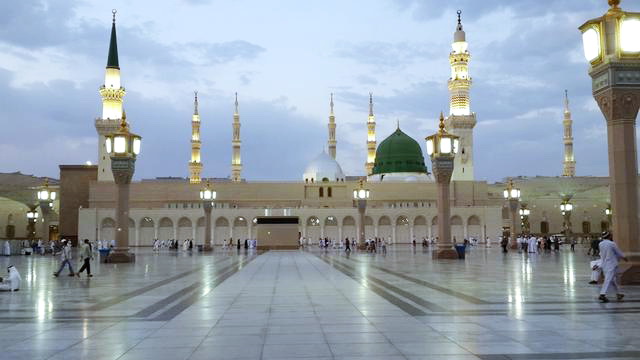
x=323, y=168
x=399, y=153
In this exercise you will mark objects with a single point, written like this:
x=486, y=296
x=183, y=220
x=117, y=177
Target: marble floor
x=316, y=304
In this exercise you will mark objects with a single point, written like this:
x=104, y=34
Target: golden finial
x=615, y=4
x=124, y=127
x=441, y=125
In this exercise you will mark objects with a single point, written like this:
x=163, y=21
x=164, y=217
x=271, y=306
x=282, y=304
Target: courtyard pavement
x=318, y=304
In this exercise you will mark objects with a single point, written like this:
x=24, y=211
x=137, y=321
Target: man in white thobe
x=610, y=255
x=596, y=271
x=12, y=283
x=532, y=246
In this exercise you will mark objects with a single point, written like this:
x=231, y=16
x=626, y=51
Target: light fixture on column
x=207, y=196
x=360, y=196
x=512, y=195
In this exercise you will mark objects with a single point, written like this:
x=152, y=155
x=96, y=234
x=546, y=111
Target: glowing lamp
x=442, y=144
x=45, y=194
x=207, y=194
x=123, y=143
x=511, y=192
x=361, y=193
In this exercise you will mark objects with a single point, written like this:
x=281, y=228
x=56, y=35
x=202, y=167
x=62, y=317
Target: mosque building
x=402, y=205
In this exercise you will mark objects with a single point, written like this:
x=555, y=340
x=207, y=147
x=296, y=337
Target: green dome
x=399, y=153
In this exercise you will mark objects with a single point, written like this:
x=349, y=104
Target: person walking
x=610, y=255
x=65, y=258
x=504, y=244
x=86, y=254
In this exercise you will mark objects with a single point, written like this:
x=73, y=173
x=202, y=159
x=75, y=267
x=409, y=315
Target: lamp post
x=524, y=217
x=32, y=219
x=361, y=195
x=208, y=196
x=123, y=147
x=46, y=197
x=566, y=207
x=442, y=148
x=612, y=48
x=512, y=195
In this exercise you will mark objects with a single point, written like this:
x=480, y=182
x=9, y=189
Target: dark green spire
x=112, y=60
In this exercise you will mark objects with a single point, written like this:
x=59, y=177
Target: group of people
x=85, y=254
x=172, y=244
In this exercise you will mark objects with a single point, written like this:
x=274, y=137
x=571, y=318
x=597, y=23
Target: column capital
x=619, y=105
x=122, y=169
x=442, y=169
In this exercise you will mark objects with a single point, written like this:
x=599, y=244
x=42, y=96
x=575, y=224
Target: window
x=586, y=227
x=329, y=192
x=544, y=227
x=321, y=192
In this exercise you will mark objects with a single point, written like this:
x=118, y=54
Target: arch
x=474, y=227
x=165, y=229
x=349, y=228
x=586, y=227
x=240, y=221
x=434, y=221
x=185, y=230
x=147, y=231
x=402, y=230
x=222, y=221
x=201, y=221
x=240, y=228
x=321, y=191
x=457, y=229
x=313, y=229
x=384, y=228
x=329, y=192
x=221, y=231
x=200, y=229
x=420, y=227
x=330, y=221
x=331, y=227
x=348, y=220
x=107, y=229
x=369, y=229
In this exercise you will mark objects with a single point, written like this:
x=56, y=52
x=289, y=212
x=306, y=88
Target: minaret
x=195, y=165
x=332, y=130
x=461, y=120
x=371, y=137
x=236, y=163
x=569, y=163
x=112, y=93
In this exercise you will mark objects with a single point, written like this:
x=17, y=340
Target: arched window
x=329, y=192
x=586, y=227
x=321, y=192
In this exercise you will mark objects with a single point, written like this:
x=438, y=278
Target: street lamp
x=32, y=219
x=524, y=216
x=609, y=214
x=442, y=148
x=46, y=197
x=512, y=195
x=123, y=148
x=566, y=207
x=208, y=196
x=612, y=48
x=361, y=195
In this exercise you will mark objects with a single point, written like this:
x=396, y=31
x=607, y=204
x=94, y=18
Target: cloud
x=219, y=53
x=384, y=54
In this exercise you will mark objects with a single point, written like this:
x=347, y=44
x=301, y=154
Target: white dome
x=323, y=167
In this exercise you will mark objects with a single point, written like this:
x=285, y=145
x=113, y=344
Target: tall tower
x=371, y=137
x=461, y=120
x=195, y=165
x=569, y=163
x=236, y=163
x=332, y=130
x=112, y=93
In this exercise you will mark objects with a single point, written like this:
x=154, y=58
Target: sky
x=284, y=58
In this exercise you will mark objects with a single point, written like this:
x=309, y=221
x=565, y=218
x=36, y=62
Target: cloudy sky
x=284, y=58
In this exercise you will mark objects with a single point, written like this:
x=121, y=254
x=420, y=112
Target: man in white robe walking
x=610, y=255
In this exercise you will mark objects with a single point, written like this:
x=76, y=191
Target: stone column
x=207, y=226
x=443, y=168
x=567, y=224
x=45, y=209
x=362, y=208
x=122, y=169
x=513, y=210
x=620, y=108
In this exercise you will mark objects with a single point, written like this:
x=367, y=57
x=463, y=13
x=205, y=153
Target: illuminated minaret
x=332, y=130
x=236, y=163
x=112, y=93
x=195, y=165
x=569, y=163
x=461, y=120
x=371, y=137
